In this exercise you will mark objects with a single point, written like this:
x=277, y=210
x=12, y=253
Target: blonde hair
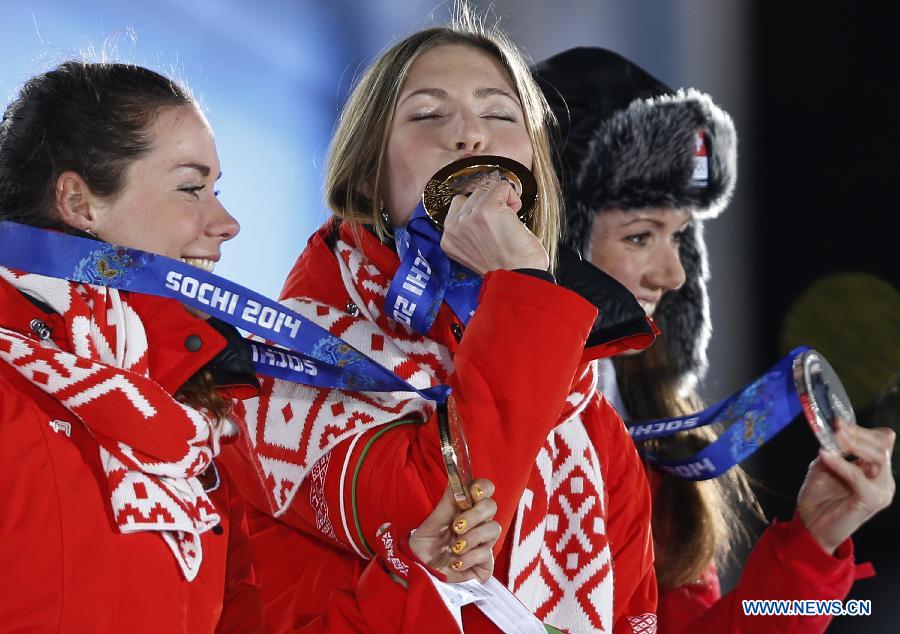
x=355, y=174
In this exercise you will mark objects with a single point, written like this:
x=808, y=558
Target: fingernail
x=458, y=547
x=460, y=525
x=457, y=565
x=478, y=491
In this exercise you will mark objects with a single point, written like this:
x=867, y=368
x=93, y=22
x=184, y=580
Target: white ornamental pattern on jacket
x=560, y=565
x=300, y=424
x=105, y=385
x=561, y=562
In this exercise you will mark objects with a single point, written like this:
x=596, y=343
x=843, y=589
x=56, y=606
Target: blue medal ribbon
x=310, y=355
x=752, y=417
x=426, y=277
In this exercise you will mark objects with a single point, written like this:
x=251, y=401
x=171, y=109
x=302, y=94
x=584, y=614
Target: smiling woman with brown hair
x=113, y=404
x=117, y=503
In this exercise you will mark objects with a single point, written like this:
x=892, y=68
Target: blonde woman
x=572, y=498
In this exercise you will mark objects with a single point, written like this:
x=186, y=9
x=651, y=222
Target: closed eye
x=422, y=116
x=503, y=116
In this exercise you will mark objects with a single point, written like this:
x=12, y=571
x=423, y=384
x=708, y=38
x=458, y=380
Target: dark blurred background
x=806, y=253
x=826, y=243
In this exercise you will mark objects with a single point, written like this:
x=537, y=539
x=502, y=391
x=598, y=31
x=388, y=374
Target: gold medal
x=464, y=176
x=455, y=452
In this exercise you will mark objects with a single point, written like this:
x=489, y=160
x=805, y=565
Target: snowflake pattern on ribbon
x=109, y=265
x=753, y=411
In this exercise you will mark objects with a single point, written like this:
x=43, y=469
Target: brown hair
x=355, y=175
x=92, y=119
x=89, y=118
x=694, y=523
x=201, y=393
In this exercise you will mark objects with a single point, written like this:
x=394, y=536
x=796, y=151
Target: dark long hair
x=694, y=523
x=93, y=119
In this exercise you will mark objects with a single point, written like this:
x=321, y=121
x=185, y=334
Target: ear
x=367, y=189
x=76, y=204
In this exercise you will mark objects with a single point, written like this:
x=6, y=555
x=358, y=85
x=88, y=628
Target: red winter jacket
x=396, y=474
x=66, y=567
x=786, y=563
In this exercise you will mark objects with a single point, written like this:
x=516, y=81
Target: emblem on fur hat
x=627, y=141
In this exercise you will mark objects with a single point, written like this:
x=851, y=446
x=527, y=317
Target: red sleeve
x=513, y=372
x=786, y=563
x=685, y=604
x=309, y=587
x=628, y=523
x=393, y=595
x=379, y=604
x=242, y=611
x=510, y=386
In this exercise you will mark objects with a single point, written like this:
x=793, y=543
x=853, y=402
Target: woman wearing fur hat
x=642, y=166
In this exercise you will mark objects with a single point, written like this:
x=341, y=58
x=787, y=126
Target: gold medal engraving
x=466, y=175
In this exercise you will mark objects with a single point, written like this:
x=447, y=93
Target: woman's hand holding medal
x=459, y=543
x=839, y=495
x=483, y=232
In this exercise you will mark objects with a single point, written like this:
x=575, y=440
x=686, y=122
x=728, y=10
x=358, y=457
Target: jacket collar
x=621, y=326
x=24, y=314
x=172, y=357
x=178, y=344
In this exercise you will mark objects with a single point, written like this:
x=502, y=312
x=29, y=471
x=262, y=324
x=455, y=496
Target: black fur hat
x=628, y=141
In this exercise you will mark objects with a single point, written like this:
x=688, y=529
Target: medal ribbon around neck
x=310, y=355
x=426, y=276
x=753, y=416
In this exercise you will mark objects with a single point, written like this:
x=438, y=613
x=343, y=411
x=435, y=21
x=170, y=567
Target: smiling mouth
x=648, y=307
x=201, y=263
